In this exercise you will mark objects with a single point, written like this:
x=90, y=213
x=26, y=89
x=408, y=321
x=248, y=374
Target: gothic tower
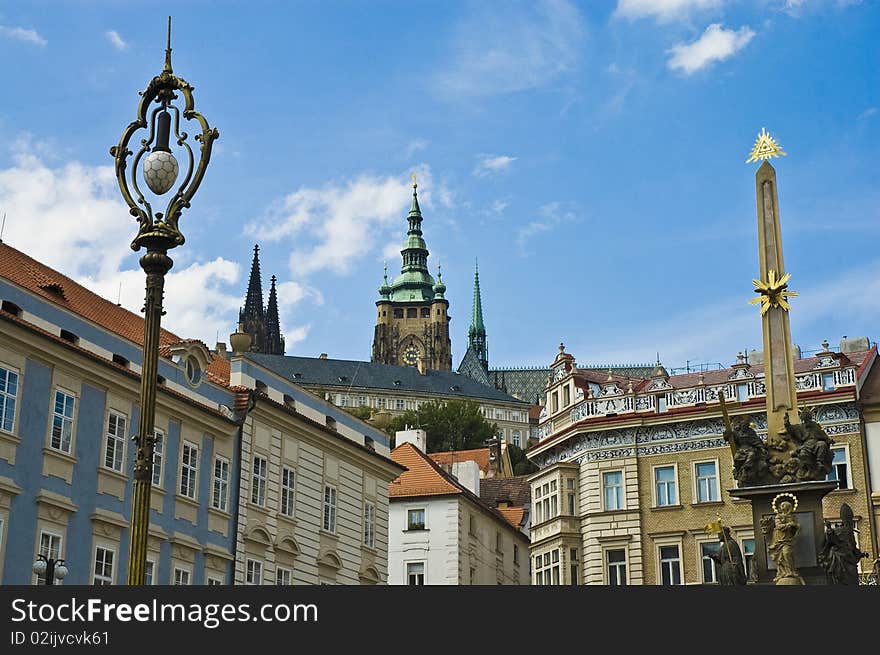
x=412, y=320
x=262, y=324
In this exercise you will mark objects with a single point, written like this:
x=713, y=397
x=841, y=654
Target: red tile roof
x=478, y=455
x=513, y=515
x=47, y=283
x=424, y=477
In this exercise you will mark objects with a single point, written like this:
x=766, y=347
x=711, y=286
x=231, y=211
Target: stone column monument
x=785, y=478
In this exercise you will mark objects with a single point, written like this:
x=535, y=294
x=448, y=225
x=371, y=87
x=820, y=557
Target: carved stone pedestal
x=808, y=513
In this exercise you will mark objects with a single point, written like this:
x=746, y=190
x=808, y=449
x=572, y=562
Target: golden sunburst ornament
x=765, y=148
x=774, y=292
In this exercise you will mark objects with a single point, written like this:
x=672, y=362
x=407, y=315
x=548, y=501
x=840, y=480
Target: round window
x=193, y=371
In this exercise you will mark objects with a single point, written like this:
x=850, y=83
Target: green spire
x=477, y=331
x=477, y=326
x=414, y=282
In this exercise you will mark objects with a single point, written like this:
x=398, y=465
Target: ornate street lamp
x=52, y=569
x=158, y=233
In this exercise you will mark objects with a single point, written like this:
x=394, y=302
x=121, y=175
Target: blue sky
x=590, y=154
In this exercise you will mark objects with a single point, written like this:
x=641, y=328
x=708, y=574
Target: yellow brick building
x=632, y=470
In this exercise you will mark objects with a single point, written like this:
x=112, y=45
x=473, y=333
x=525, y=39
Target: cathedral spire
x=477, y=330
x=253, y=304
x=274, y=340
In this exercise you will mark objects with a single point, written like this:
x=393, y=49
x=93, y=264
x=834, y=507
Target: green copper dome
x=414, y=284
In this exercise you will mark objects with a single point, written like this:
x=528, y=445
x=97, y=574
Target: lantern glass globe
x=40, y=567
x=160, y=171
x=60, y=571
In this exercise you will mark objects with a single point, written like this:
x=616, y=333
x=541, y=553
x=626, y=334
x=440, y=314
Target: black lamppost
x=158, y=233
x=52, y=569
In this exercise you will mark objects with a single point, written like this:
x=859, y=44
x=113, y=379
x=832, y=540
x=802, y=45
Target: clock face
x=411, y=355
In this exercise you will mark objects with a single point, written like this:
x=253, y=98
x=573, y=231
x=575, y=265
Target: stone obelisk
x=772, y=285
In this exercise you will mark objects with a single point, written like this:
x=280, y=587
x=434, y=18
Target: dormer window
x=67, y=335
x=119, y=359
x=261, y=386
x=342, y=378
x=54, y=288
x=10, y=308
x=193, y=371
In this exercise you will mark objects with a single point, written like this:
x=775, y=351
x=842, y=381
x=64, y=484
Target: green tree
x=521, y=464
x=363, y=412
x=450, y=425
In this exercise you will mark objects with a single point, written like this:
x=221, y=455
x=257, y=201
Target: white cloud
x=498, y=206
x=71, y=218
x=116, y=40
x=523, y=46
x=663, y=10
x=415, y=146
x=491, y=164
x=21, y=34
x=715, y=44
x=870, y=111
x=333, y=227
x=550, y=216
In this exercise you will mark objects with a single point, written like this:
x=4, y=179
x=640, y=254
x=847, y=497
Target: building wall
x=458, y=545
x=74, y=495
x=298, y=541
x=437, y=546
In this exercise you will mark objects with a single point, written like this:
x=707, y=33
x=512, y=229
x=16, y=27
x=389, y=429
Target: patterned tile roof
x=515, y=491
x=315, y=371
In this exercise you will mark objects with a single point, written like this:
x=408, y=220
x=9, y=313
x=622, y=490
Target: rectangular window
x=114, y=444
x=181, y=576
x=220, y=486
x=616, y=562
x=258, y=481
x=670, y=565
x=710, y=575
x=380, y=403
x=415, y=519
x=50, y=548
x=369, y=525
x=254, y=575
x=214, y=582
x=330, y=508
x=103, y=566
x=62, y=421
x=8, y=395
x=149, y=571
x=566, y=396
x=839, y=468
x=283, y=577
x=828, y=382
x=575, y=578
x=742, y=392
x=664, y=483
x=158, y=457
x=188, y=470
x=748, y=551
x=288, y=490
x=398, y=404
x=707, y=482
x=362, y=401
x=612, y=483
x=515, y=553
x=571, y=504
x=555, y=397
x=415, y=573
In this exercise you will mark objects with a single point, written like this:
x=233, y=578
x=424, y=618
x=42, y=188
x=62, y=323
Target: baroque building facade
x=412, y=317
x=632, y=470
x=251, y=484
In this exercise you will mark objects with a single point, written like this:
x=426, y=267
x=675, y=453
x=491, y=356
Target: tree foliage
x=450, y=425
x=521, y=464
x=363, y=412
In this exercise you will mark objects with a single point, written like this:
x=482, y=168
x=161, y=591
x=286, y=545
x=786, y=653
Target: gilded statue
x=783, y=528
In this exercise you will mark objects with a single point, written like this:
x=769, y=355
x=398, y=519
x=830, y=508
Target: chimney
x=220, y=348
x=422, y=366
x=418, y=438
x=468, y=474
